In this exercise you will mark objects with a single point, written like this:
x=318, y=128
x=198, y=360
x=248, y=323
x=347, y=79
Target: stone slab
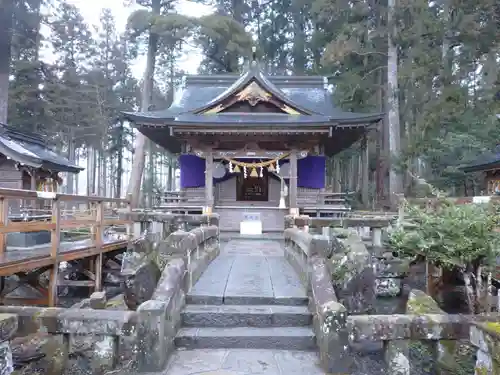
x=289, y=338
x=249, y=272
x=249, y=277
x=253, y=247
x=243, y=362
x=286, y=283
x=242, y=316
x=211, y=285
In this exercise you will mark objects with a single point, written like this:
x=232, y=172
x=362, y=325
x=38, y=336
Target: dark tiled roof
x=485, y=161
x=305, y=93
x=31, y=149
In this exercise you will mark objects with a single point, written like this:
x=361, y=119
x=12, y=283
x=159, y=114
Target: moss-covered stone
x=455, y=356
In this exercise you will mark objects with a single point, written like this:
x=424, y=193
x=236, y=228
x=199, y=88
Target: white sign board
x=481, y=199
x=251, y=224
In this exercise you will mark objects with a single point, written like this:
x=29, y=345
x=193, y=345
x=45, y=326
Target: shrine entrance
x=252, y=189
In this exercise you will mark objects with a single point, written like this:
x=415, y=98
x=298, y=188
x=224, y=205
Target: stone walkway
x=246, y=315
x=249, y=272
x=243, y=362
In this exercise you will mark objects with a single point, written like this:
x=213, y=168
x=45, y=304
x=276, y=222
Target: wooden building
x=489, y=164
x=27, y=162
x=253, y=147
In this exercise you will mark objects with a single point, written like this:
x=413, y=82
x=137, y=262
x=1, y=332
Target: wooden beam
x=98, y=272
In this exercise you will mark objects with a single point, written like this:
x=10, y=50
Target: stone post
x=486, y=338
x=397, y=357
x=8, y=326
x=98, y=300
x=152, y=336
x=377, y=237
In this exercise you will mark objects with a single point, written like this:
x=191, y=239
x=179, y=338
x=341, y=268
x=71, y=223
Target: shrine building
x=254, y=147
x=489, y=164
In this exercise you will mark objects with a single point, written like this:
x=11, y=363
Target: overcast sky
x=91, y=10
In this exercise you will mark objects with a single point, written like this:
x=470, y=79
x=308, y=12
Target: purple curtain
x=311, y=172
x=192, y=171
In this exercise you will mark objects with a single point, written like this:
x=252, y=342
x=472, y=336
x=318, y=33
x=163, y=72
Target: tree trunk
x=395, y=180
x=119, y=163
x=70, y=181
x=6, y=19
x=134, y=185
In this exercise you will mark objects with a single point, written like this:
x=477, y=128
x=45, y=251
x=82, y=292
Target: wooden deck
x=15, y=260
x=90, y=216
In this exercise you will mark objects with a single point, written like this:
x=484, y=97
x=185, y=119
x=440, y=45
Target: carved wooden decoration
x=253, y=94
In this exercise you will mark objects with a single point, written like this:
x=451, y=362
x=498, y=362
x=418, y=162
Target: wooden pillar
x=33, y=188
x=365, y=181
x=4, y=219
x=209, y=182
x=54, y=253
x=337, y=175
x=292, y=191
x=98, y=242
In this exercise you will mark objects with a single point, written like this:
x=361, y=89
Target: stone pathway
x=246, y=315
x=243, y=362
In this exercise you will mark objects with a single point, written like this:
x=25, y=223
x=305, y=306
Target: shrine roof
x=31, y=149
x=304, y=95
x=487, y=161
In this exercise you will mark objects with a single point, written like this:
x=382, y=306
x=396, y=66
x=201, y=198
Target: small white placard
x=481, y=199
x=251, y=227
x=251, y=216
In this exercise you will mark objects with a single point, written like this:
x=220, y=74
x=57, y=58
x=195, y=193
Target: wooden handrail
x=19, y=193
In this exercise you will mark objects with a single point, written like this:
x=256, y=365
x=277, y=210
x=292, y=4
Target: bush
x=451, y=235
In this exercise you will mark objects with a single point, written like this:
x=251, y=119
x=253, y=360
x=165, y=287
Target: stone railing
x=138, y=340
x=313, y=258
x=189, y=255
x=363, y=234
x=162, y=223
x=370, y=227
x=55, y=336
x=308, y=255
x=397, y=331
x=8, y=327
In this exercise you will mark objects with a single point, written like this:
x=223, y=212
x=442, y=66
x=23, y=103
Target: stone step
x=200, y=299
x=284, y=338
x=245, y=316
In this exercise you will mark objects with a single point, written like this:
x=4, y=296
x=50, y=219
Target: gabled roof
x=305, y=95
x=486, y=161
x=31, y=149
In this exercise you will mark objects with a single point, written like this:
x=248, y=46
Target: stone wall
x=308, y=254
x=8, y=327
x=398, y=331
x=454, y=356
x=352, y=271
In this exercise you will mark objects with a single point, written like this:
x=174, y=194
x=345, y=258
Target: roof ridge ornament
x=254, y=63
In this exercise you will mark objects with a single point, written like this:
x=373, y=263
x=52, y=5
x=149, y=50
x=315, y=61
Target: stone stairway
x=259, y=305
x=252, y=326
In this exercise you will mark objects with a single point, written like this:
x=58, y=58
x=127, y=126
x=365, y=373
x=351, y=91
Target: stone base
x=28, y=239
